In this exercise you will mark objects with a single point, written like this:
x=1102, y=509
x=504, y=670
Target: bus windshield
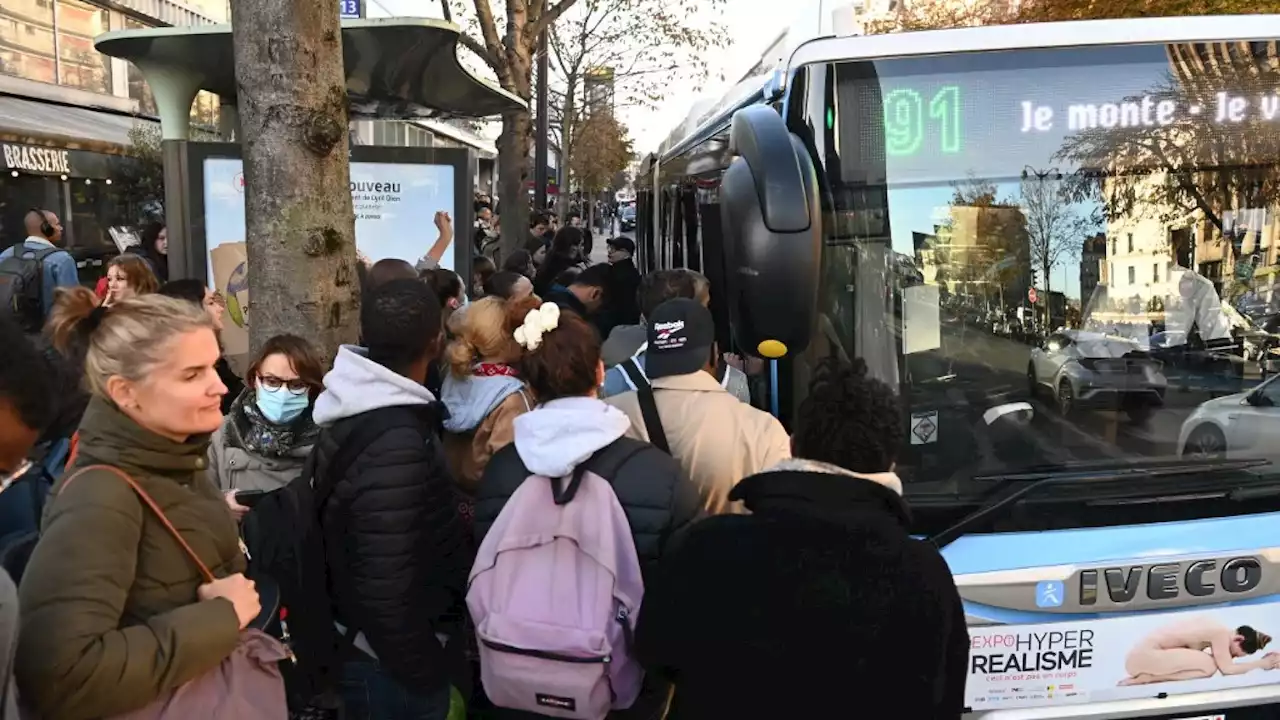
x=1089, y=230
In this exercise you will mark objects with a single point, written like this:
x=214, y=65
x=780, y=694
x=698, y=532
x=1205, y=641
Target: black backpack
x=22, y=286
x=286, y=545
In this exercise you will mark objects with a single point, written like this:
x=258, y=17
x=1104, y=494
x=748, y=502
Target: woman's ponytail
x=68, y=326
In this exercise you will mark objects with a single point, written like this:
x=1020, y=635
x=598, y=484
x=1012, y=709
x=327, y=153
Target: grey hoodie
x=357, y=385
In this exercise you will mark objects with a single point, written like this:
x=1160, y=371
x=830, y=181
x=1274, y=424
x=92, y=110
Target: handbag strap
x=155, y=510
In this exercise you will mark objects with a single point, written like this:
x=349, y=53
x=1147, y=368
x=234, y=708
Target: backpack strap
x=605, y=462
x=155, y=510
x=648, y=404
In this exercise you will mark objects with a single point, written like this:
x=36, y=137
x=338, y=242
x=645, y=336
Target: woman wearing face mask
x=268, y=434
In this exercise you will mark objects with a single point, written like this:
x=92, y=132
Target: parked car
x=1087, y=369
x=1243, y=424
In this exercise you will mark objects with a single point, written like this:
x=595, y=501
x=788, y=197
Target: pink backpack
x=554, y=594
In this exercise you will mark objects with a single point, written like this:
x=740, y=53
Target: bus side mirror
x=772, y=234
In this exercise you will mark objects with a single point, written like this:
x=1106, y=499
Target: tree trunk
x=300, y=223
x=513, y=168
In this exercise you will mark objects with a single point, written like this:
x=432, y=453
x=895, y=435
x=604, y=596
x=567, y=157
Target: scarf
x=493, y=370
x=253, y=432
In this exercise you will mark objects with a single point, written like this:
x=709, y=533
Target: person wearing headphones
x=40, y=256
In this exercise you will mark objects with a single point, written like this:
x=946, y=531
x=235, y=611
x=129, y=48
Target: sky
x=747, y=24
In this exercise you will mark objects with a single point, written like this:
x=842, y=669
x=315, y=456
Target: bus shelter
x=395, y=68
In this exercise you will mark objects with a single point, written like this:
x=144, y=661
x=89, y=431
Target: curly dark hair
x=400, y=323
x=849, y=419
x=25, y=378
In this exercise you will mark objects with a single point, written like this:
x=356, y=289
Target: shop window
x=82, y=66
x=26, y=40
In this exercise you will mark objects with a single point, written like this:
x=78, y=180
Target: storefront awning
x=76, y=128
x=397, y=68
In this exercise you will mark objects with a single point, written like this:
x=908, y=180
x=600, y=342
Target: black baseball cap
x=622, y=242
x=681, y=335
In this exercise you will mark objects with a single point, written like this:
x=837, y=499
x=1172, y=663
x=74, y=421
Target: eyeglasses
x=23, y=468
x=297, y=386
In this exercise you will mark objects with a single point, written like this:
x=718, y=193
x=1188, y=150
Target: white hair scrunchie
x=539, y=321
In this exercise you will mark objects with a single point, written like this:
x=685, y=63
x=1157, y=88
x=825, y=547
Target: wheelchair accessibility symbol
x=1050, y=593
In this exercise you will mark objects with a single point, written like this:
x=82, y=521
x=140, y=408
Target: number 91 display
x=905, y=115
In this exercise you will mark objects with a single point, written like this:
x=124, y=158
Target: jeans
x=370, y=694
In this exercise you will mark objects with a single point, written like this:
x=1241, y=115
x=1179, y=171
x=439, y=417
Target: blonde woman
x=483, y=389
x=114, y=614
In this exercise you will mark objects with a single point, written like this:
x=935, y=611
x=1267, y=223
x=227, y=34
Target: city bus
x=1059, y=243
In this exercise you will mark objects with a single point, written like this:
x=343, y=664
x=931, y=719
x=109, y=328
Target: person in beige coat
x=717, y=439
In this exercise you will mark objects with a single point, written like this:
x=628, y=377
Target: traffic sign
x=1031, y=295
x=350, y=9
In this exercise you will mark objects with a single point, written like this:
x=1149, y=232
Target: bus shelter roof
x=396, y=68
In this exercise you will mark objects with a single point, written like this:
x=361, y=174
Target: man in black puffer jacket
x=397, y=549
x=819, y=603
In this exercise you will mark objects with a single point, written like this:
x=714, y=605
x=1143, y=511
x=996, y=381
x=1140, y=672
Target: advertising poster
x=1122, y=658
x=228, y=263
x=395, y=206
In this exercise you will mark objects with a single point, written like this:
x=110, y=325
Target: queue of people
x=476, y=509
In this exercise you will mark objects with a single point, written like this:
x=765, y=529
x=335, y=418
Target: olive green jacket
x=110, y=620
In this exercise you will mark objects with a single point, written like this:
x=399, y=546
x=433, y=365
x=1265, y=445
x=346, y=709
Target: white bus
x=1060, y=242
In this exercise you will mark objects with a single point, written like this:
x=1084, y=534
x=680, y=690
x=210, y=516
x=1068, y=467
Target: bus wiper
x=1038, y=481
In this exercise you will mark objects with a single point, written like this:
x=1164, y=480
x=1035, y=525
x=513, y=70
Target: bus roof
x=1082, y=33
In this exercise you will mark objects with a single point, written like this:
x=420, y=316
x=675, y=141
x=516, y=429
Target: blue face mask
x=279, y=405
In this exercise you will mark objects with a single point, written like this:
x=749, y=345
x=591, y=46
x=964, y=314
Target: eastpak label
x=559, y=703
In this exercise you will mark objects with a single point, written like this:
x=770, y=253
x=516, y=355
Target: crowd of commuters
x=755, y=573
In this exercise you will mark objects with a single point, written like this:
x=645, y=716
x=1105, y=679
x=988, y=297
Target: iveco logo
x=1168, y=581
x=1123, y=585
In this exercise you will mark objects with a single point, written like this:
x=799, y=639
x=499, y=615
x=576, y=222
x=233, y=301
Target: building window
x=1115, y=246
x=26, y=41
x=1155, y=273
x=1133, y=275
x=82, y=65
x=1130, y=242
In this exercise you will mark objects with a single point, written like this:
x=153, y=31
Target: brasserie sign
x=32, y=159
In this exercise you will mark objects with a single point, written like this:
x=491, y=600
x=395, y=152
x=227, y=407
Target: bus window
x=1116, y=199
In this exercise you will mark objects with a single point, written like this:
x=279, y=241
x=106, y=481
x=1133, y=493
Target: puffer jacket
x=482, y=410
x=392, y=528
x=109, y=615
x=818, y=599
x=556, y=437
x=249, y=453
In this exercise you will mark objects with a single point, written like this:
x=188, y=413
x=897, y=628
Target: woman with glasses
x=268, y=434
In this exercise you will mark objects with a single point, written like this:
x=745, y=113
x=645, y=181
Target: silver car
x=1088, y=369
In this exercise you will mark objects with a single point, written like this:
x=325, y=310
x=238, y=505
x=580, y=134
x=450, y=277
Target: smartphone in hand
x=249, y=498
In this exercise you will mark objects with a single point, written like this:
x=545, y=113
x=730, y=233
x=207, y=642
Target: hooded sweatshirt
x=482, y=409
x=357, y=385
x=556, y=437
x=394, y=537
